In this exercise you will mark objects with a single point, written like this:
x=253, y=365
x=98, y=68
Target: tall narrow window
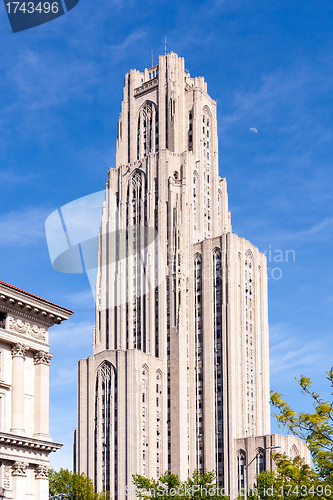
x=159, y=468
x=147, y=130
x=190, y=132
x=106, y=472
x=2, y=320
x=157, y=346
x=249, y=346
x=260, y=462
x=207, y=222
x=198, y=363
x=241, y=463
x=137, y=263
x=145, y=421
x=218, y=367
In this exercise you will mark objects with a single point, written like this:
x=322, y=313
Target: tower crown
x=162, y=109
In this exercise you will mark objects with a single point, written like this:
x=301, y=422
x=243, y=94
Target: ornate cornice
x=19, y=350
x=42, y=357
x=13, y=299
x=28, y=443
x=24, y=313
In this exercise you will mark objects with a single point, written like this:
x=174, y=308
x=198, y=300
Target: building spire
x=165, y=46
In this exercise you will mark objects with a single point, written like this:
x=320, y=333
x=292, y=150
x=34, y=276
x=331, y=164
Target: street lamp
x=246, y=466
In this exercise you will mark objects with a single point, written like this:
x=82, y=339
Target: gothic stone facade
x=25, y=442
x=180, y=363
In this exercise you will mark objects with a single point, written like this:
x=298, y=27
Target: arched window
x=195, y=203
x=293, y=452
x=144, y=420
x=147, y=135
x=218, y=368
x=249, y=345
x=241, y=463
x=136, y=262
x=260, y=462
x=207, y=220
x=198, y=362
x=159, y=424
x=106, y=472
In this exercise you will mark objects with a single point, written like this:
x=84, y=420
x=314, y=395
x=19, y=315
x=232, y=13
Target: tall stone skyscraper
x=179, y=375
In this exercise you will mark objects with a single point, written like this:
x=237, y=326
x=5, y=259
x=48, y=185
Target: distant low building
x=25, y=442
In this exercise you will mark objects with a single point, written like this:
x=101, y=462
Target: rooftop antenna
x=165, y=46
x=152, y=58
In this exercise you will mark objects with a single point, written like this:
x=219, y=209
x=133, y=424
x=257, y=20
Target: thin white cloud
x=42, y=82
x=321, y=231
x=83, y=298
x=292, y=354
x=131, y=39
x=71, y=333
x=12, y=177
x=63, y=377
x=23, y=228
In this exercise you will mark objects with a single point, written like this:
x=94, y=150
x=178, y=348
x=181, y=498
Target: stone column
x=17, y=399
x=41, y=399
x=19, y=480
x=41, y=482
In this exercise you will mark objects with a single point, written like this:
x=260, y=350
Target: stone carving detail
x=18, y=468
x=19, y=350
x=42, y=472
x=42, y=357
x=6, y=477
x=26, y=328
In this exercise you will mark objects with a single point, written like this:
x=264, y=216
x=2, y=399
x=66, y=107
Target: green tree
x=315, y=428
x=169, y=487
x=293, y=479
x=66, y=485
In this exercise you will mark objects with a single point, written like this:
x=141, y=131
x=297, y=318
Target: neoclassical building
x=179, y=375
x=25, y=442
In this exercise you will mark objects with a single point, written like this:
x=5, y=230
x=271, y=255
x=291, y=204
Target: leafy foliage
x=170, y=487
x=66, y=485
x=292, y=480
x=316, y=428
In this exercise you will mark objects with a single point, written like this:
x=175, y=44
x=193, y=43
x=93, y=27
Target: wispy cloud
x=41, y=81
x=134, y=37
x=293, y=354
x=72, y=334
x=10, y=177
x=63, y=377
x=24, y=227
x=83, y=298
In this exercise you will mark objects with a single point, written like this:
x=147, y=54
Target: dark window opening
x=3, y=320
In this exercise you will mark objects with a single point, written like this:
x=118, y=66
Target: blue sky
x=269, y=65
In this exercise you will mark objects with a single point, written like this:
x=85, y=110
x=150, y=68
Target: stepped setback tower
x=179, y=375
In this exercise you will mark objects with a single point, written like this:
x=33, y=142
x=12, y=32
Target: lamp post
x=246, y=467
